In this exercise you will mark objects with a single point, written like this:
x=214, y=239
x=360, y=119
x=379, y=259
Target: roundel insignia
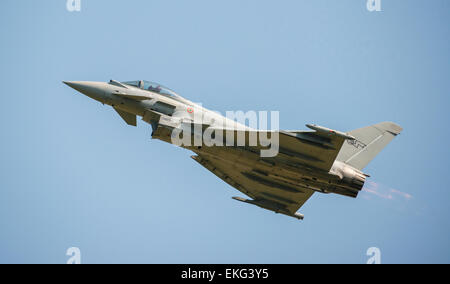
x=190, y=110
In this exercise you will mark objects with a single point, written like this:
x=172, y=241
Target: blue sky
x=72, y=174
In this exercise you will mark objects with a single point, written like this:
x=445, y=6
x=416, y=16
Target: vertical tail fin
x=369, y=142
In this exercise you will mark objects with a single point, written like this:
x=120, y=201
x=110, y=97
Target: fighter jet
x=319, y=160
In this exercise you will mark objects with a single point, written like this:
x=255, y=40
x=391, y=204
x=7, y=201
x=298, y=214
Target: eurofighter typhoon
x=277, y=170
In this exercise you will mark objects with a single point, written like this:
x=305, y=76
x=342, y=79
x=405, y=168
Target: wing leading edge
x=308, y=149
x=265, y=192
x=311, y=150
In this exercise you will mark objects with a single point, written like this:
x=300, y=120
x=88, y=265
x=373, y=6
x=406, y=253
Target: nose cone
x=94, y=90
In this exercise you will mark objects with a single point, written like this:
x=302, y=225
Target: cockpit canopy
x=153, y=87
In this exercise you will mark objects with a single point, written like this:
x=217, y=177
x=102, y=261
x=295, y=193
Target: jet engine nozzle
x=351, y=176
